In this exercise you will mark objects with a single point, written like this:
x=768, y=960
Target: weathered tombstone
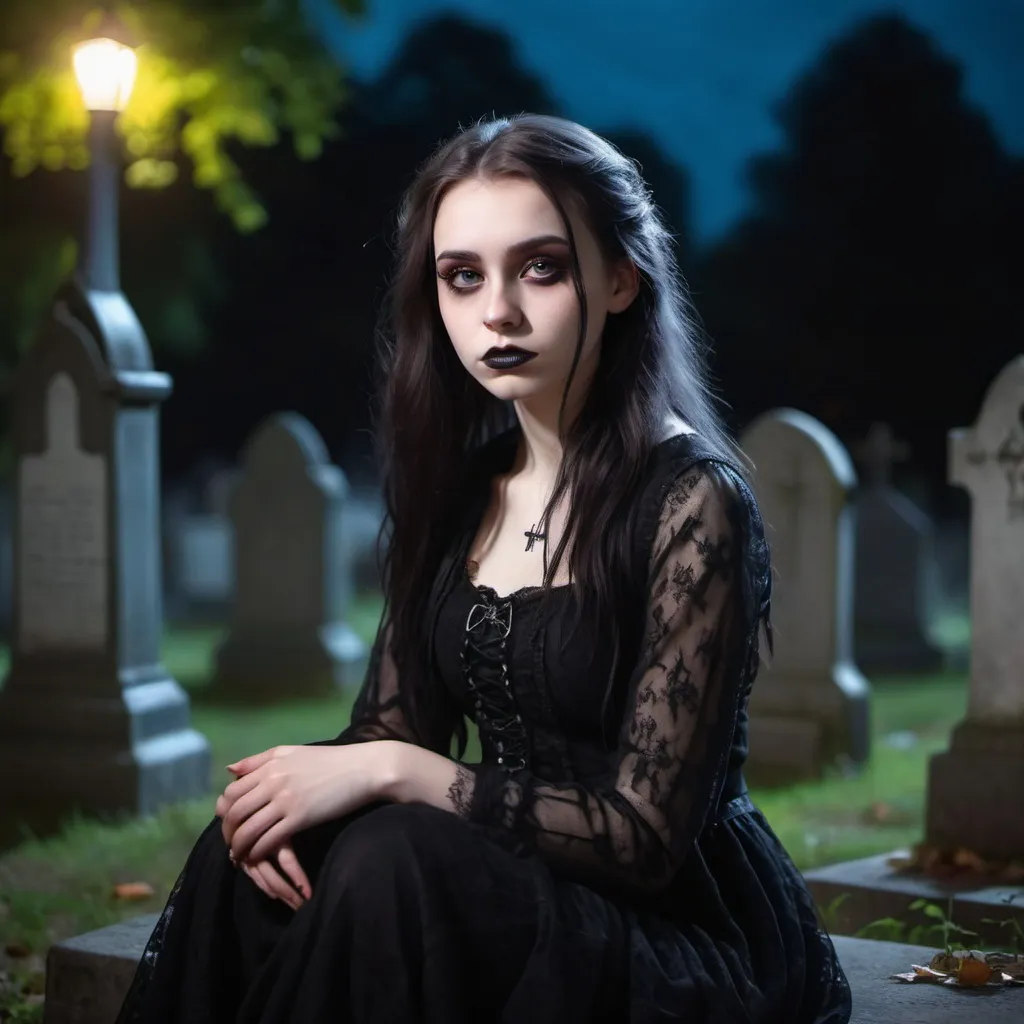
x=288, y=636
x=220, y=485
x=6, y=562
x=364, y=513
x=810, y=706
x=202, y=568
x=894, y=562
x=976, y=788
x=89, y=717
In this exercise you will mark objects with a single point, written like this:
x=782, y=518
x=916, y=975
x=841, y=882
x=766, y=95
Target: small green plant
x=19, y=998
x=946, y=926
x=891, y=929
x=885, y=929
x=830, y=912
x=1014, y=925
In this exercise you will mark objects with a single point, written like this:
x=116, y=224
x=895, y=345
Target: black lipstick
x=508, y=357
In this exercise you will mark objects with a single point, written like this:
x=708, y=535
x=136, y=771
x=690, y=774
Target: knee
x=390, y=841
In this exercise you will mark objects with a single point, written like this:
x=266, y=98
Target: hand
x=287, y=789
x=272, y=877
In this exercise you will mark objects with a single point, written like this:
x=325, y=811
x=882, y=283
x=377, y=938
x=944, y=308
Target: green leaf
x=209, y=75
x=148, y=173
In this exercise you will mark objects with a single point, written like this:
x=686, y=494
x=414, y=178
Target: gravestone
x=976, y=788
x=809, y=707
x=894, y=565
x=201, y=559
x=6, y=562
x=288, y=636
x=89, y=717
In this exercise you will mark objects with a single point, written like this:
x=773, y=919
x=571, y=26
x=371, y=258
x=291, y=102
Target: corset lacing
x=485, y=671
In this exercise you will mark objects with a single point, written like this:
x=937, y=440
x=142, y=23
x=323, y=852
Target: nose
x=502, y=313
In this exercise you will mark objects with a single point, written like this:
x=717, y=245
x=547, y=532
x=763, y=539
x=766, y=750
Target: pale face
x=504, y=278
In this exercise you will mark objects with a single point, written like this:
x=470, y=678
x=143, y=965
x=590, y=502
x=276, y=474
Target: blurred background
x=844, y=180
x=845, y=184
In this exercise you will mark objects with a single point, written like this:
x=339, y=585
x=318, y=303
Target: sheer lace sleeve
x=634, y=825
x=377, y=713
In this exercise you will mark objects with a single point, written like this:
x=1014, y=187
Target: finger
x=271, y=839
x=290, y=866
x=279, y=885
x=257, y=879
x=243, y=808
x=238, y=788
x=250, y=831
x=254, y=761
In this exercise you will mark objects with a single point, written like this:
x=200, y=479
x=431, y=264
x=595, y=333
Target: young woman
x=574, y=562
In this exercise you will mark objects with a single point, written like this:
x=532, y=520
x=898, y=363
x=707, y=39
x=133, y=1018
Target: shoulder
x=685, y=476
x=700, y=495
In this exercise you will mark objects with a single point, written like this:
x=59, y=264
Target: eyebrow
x=513, y=250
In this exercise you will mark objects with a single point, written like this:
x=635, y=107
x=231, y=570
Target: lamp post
x=105, y=68
x=90, y=719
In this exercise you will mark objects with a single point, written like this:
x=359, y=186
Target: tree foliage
x=210, y=75
x=869, y=277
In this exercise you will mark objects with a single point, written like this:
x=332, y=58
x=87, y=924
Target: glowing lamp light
x=105, y=70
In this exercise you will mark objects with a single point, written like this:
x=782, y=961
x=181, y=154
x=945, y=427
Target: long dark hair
x=432, y=414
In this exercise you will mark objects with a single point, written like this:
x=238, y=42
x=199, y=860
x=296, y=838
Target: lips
x=507, y=350
x=507, y=357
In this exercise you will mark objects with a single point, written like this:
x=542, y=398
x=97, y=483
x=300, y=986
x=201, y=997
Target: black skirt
x=418, y=915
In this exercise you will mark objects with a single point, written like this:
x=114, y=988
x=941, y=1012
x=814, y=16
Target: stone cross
x=972, y=786
x=879, y=452
x=894, y=566
x=288, y=635
x=89, y=717
x=809, y=706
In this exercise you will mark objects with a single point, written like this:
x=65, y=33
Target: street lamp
x=85, y=673
x=105, y=68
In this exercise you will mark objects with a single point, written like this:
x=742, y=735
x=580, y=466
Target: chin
x=512, y=388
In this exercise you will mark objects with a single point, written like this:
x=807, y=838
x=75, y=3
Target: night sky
x=700, y=75
x=842, y=179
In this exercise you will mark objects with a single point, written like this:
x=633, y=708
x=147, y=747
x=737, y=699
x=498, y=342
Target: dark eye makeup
x=550, y=271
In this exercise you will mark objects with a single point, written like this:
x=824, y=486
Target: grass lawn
x=61, y=886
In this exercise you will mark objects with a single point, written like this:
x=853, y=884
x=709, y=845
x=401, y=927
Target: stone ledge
x=877, y=1000
x=87, y=978
x=877, y=891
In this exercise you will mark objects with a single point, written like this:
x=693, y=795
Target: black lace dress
x=587, y=874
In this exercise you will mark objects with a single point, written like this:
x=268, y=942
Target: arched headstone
x=90, y=720
x=288, y=635
x=973, y=788
x=809, y=706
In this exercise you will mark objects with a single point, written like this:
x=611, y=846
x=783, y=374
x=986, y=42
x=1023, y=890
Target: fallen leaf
x=1011, y=964
x=909, y=976
x=969, y=859
x=944, y=962
x=133, y=891
x=973, y=972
